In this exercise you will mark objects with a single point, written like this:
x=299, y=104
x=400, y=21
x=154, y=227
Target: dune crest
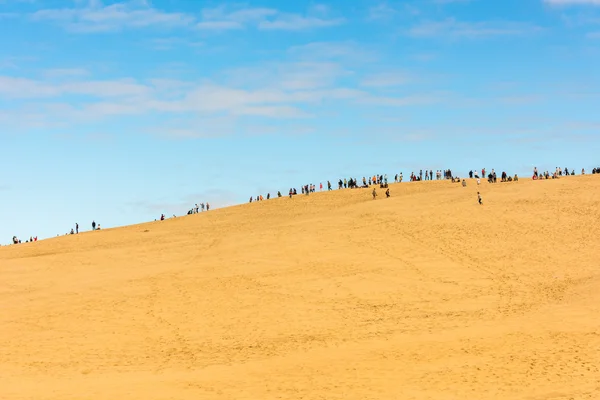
x=425, y=295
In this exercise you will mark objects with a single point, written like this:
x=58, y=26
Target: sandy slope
x=425, y=295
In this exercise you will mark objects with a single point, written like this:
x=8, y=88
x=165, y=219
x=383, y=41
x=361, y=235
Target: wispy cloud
x=291, y=91
x=8, y=15
x=23, y=88
x=66, y=72
x=457, y=29
x=384, y=12
x=450, y=1
x=96, y=17
x=381, y=11
x=348, y=52
x=169, y=43
x=302, y=75
x=224, y=18
x=295, y=22
x=387, y=79
x=572, y=2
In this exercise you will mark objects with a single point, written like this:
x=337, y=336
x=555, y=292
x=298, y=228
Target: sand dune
x=425, y=295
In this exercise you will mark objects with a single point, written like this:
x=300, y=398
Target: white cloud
x=220, y=18
x=22, y=88
x=387, y=79
x=223, y=18
x=348, y=52
x=381, y=11
x=294, y=22
x=457, y=29
x=219, y=25
x=405, y=101
x=285, y=99
x=65, y=72
x=96, y=17
x=169, y=43
x=385, y=12
x=303, y=88
x=572, y=2
x=287, y=76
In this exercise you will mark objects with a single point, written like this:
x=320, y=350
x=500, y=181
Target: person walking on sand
x=76, y=227
x=374, y=194
x=387, y=193
x=479, y=199
x=93, y=225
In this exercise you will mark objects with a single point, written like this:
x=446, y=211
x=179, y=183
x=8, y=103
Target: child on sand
x=479, y=199
x=387, y=193
x=374, y=193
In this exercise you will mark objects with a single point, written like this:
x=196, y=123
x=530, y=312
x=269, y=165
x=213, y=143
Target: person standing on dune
x=76, y=227
x=479, y=199
x=374, y=194
x=93, y=225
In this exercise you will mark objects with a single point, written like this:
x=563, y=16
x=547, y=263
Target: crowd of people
x=558, y=172
x=380, y=180
x=195, y=210
x=74, y=231
x=423, y=175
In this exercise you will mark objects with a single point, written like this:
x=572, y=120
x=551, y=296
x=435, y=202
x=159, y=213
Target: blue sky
x=121, y=111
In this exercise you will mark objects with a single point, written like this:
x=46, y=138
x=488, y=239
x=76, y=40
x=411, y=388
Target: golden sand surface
x=425, y=295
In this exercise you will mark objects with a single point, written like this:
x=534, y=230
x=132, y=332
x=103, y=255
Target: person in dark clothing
x=76, y=227
x=430, y=174
x=387, y=193
x=479, y=199
x=93, y=225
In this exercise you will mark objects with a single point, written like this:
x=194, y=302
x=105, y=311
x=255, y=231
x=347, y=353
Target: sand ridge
x=425, y=295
